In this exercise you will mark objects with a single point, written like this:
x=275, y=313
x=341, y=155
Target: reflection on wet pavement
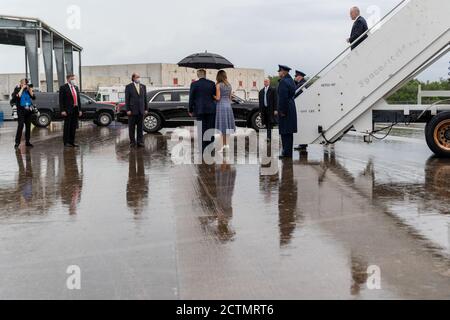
x=141, y=227
x=137, y=186
x=71, y=182
x=287, y=203
x=216, y=187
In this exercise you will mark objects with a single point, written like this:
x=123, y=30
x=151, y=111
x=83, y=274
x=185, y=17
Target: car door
x=239, y=110
x=183, y=106
x=88, y=107
x=170, y=105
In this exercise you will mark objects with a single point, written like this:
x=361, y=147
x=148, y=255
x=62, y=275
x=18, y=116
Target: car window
x=163, y=97
x=184, y=97
x=175, y=97
x=84, y=100
x=236, y=99
x=167, y=97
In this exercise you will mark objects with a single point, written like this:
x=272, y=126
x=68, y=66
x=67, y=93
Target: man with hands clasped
x=137, y=107
x=70, y=105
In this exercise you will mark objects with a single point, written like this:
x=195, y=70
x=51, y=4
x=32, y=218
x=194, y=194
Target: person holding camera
x=22, y=97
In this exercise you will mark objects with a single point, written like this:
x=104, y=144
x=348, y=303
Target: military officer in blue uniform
x=287, y=113
x=299, y=82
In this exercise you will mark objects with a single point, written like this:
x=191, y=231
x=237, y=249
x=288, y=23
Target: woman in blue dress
x=225, y=122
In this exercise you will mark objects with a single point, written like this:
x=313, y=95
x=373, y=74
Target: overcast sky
x=303, y=34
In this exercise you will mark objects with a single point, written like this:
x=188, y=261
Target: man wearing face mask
x=137, y=105
x=70, y=105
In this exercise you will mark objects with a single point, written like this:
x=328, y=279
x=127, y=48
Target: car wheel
x=257, y=121
x=43, y=120
x=152, y=123
x=104, y=119
x=437, y=134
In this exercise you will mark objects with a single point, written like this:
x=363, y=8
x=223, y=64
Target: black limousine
x=168, y=108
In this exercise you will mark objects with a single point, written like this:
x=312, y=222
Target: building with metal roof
x=32, y=34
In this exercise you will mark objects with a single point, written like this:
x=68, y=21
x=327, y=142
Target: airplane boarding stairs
x=342, y=96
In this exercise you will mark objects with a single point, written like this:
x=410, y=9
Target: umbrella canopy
x=205, y=60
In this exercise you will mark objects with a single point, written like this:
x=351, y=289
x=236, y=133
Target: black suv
x=48, y=106
x=168, y=108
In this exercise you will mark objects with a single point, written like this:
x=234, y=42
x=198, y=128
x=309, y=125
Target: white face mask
x=73, y=82
x=137, y=81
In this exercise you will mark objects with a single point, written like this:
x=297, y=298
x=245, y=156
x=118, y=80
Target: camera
x=29, y=85
x=14, y=113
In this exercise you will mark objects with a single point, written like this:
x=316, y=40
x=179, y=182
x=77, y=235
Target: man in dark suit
x=70, y=105
x=267, y=106
x=202, y=105
x=137, y=107
x=287, y=113
x=359, y=28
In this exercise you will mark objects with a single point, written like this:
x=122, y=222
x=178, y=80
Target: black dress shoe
x=67, y=145
x=141, y=145
x=285, y=157
x=29, y=145
x=302, y=147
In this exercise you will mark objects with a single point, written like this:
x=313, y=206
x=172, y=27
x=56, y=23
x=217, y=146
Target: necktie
x=74, y=95
x=265, y=97
x=138, y=88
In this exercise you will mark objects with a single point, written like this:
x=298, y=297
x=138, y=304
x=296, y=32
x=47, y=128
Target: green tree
x=408, y=93
x=274, y=81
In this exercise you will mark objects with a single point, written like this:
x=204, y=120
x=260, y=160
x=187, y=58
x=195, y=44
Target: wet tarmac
x=141, y=227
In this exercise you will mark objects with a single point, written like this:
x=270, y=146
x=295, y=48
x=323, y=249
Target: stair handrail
x=314, y=78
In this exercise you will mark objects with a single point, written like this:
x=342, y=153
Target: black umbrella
x=206, y=60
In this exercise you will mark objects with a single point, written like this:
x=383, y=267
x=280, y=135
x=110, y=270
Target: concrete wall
x=118, y=75
x=8, y=83
x=246, y=82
